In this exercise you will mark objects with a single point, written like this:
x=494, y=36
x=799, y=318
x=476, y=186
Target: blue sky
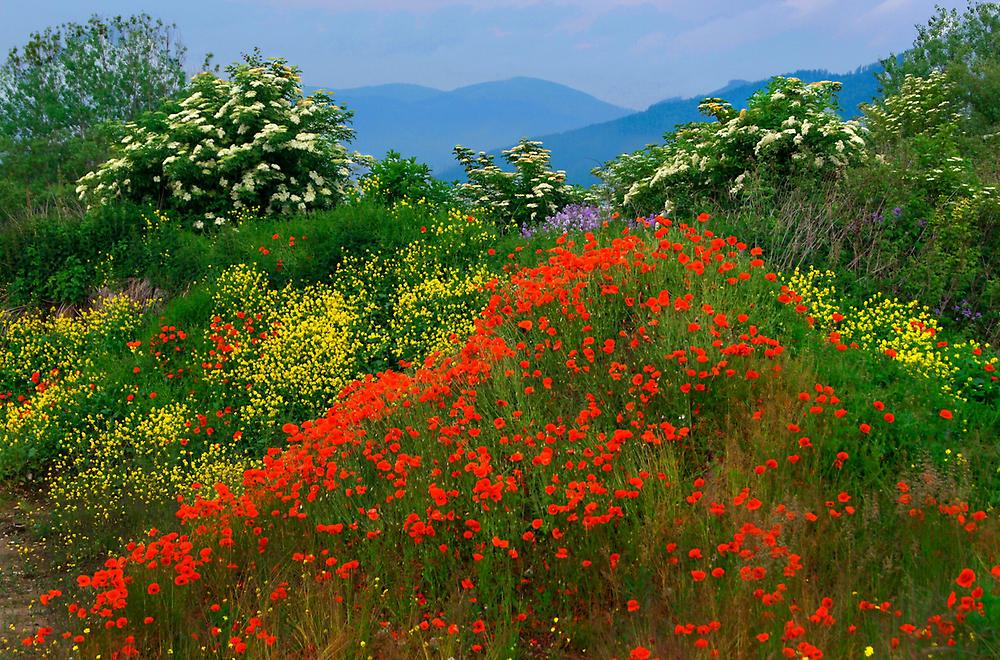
x=630, y=52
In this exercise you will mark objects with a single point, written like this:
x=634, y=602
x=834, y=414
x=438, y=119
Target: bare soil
x=21, y=580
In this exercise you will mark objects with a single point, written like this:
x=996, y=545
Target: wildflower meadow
x=268, y=397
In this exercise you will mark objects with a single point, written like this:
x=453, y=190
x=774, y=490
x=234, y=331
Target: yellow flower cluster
x=67, y=343
x=409, y=304
x=159, y=219
x=370, y=185
x=33, y=430
x=88, y=482
x=437, y=307
x=361, y=280
x=906, y=331
x=293, y=349
x=48, y=375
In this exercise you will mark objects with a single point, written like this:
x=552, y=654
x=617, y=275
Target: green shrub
x=62, y=96
x=60, y=260
x=966, y=48
x=923, y=134
x=250, y=141
x=394, y=179
x=922, y=106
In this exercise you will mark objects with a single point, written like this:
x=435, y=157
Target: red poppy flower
x=966, y=578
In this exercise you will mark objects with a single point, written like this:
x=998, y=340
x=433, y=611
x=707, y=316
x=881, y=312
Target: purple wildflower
x=575, y=217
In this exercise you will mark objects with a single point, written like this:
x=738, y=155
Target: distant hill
x=580, y=150
x=427, y=123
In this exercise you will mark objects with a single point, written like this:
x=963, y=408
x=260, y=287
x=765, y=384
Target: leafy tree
x=72, y=77
x=964, y=45
x=63, y=91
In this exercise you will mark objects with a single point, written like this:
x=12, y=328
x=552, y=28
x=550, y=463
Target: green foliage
x=520, y=198
x=61, y=93
x=925, y=140
x=37, y=176
x=394, y=179
x=250, y=141
x=51, y=260
x=966, y=47
x=788, y=132
x=71, y=77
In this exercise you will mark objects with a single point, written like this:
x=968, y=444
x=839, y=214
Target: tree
x=62, y=93
x=965, y=46
x=72, y=77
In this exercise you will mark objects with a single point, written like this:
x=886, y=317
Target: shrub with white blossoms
x=922, y=106
x=790, y=129
x=521, y=198
x=250, y=141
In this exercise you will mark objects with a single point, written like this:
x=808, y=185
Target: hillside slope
x=645, y=436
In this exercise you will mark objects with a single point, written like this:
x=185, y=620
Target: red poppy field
x=650, y=446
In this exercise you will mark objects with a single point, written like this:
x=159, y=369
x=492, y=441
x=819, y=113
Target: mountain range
x=582, y=131
x=427, y=123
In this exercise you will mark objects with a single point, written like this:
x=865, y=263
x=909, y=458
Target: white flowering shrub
x=250, y=141
x=922, y=127
x=788, y=130
x=922, y=106
x=524, y=197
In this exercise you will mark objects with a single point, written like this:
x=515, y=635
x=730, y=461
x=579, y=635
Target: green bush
x=52, y=260
x=925, y=138
x=62, y=96
x=394, y=179
x=250, y=141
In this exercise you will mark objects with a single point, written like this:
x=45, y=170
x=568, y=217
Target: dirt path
x=20, y=612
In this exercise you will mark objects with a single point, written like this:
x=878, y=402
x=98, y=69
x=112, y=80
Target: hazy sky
x=630, y=52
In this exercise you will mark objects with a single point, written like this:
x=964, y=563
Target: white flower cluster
x=527, y=195
x=923, y=105
x=252, y=140
x=928, y=107
x=789, y=127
